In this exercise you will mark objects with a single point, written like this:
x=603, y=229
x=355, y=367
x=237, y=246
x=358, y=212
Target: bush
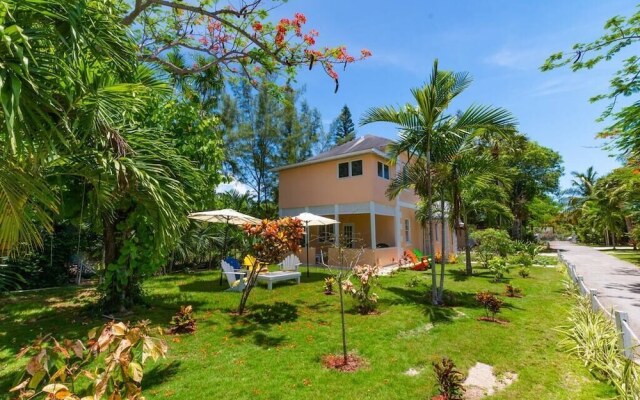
x=491, y=303
x=524, y=272
x=491, y=243
x=328, y=284
x=449, y=380
x=498, y=267
x=110, y=363
x=545, y=260
x=414, y=282
x=365, y=274
x=183, y=321
x=521, y=259
x=452, y=258
x=512, y=291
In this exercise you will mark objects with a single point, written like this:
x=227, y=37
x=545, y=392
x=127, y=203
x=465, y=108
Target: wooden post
x=626, y=343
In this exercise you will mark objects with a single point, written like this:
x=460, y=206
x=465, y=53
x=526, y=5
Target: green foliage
x=449, y=380
x=512, y=291
x=498, y=267
x=520, y=259
x=491, y=243
x=524, y=272
x=491, y=303
x=593, y=337
x=365, y=276
x=342, y=129
x=58, y=367
x=183, y=321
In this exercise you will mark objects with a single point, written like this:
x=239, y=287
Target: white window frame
x=350, y=173
x=385, y=171
x=407, y=230
x=349, y=240
x=326, y=233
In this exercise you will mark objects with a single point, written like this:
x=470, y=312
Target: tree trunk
x=342, y=321
x=443, y=247
x=434, y=274
x=467, y=250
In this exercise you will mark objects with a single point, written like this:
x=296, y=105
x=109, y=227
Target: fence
x=628, y=339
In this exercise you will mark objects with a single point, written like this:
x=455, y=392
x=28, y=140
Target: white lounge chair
x=235, y=284
x=290, y=263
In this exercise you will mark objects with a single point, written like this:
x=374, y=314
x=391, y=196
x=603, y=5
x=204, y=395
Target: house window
x=436, y=229
x=352, y=168
x=325, y=234
x=383, y=170
x=348, y=230
x=407, y=231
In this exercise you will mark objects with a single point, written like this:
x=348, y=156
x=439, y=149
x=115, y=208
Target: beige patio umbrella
x=226, y=216
x=313, y=220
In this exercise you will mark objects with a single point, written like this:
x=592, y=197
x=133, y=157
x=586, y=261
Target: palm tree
x=420, y=125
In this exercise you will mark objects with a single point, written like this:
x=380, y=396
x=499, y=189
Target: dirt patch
x=336, y=361
x=482, y=381
x=496, y=320
x=413, y=372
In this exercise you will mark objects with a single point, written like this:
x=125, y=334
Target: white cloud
x=234, y=185
x=525, y=59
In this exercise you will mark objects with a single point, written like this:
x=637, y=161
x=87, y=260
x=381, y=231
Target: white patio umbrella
x=313, y=220
x=228, y=217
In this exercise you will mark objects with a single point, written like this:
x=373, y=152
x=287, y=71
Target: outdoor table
x=278, y=276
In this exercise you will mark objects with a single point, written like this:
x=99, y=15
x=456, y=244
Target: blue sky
x=500, y=43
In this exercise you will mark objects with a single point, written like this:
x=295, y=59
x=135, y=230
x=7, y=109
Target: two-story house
x=348, y=183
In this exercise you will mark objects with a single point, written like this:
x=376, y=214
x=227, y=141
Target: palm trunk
x=467, y=250
x=443, y=247
x=434, y=274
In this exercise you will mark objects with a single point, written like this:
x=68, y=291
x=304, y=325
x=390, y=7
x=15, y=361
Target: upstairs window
x=383, y=170
x=407, y=231
x=352, y=168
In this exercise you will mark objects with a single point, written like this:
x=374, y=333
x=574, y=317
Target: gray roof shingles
x=365, y=142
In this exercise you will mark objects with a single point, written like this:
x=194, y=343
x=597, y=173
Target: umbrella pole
x=307, y=241
x=224, y=250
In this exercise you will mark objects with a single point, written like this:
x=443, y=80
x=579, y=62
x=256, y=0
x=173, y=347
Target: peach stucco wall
x=318, y=184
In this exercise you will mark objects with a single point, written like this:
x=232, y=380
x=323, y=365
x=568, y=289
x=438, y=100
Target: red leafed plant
x=491, y=303
x=183, y=321
x=54, y=368
x=272, y=242
x=449, y=380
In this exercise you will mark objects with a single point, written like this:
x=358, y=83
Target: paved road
x=617, y=281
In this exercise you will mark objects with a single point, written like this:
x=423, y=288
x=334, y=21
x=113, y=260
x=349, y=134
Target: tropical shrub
x=183, y=321
x=110, y=362
x=593, y=338
x=491, y=243
x=524, y=272
x=452, y=258
x=491, y=303
x=520, y=259
x=449, y=380
x=365, y=276
x=437, y=257
x=512, y=291
x=328, y=284
x=271, y=242
x=498, y=267
x=415, y=281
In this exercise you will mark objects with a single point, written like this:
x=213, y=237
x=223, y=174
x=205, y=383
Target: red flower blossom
x=204, y=41
x=257, y=26
x=308, y=39
x=365, y=53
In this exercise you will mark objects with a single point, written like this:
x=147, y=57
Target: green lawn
x=633, y=256
x=274, y=352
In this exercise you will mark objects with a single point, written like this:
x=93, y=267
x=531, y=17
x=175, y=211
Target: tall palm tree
x=421, y=124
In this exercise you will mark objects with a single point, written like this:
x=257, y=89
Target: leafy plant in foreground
x=524, y=272
x=491, y=303
x=449, y=380
x=498, y=267
x=328, y=284
x=183, y=321
x=512, y=291
x=55, y=368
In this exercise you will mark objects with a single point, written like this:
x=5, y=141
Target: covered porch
x=370, y=233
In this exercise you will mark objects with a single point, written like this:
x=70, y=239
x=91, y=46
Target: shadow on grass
x=422, y=297
x=259, y=320
x=459, y=275
x=160, y=373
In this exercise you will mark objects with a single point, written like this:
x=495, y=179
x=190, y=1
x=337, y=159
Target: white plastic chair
x=290, y=263
x=235, y=284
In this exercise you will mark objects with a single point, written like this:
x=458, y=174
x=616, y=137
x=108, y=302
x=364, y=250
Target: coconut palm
x=421, y=124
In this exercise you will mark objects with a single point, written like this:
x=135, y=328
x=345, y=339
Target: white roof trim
x=333, y=158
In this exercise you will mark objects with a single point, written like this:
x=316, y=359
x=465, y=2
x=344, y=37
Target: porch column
x=336, y=227
x=372, y=222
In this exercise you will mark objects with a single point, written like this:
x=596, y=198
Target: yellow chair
x=249, y=263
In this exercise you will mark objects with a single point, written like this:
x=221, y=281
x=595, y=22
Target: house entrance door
x=347, y=231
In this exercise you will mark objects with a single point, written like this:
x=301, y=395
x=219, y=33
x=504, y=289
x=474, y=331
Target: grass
x=632, y=256
x=274, y=352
